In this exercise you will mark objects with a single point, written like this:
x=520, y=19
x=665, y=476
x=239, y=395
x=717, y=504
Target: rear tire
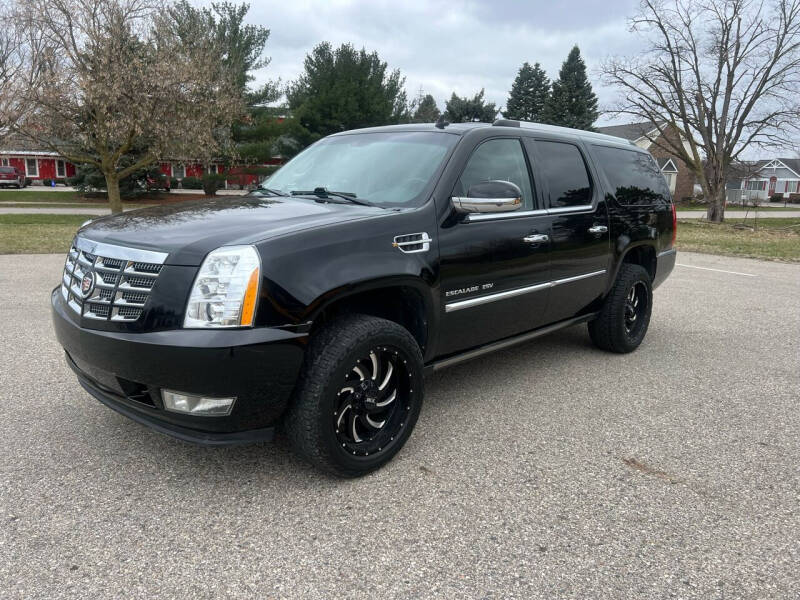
x=625, y=316
x=358, y=397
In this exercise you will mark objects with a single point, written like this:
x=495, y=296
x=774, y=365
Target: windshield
x=387, y=169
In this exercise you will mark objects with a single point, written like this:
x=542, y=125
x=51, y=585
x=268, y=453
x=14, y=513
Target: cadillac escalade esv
x=316, y=304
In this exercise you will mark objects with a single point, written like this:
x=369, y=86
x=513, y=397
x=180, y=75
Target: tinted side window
x=500, y=159
x=634, y=176
x=563, y=169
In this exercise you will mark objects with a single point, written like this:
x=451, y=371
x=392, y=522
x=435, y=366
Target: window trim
x=172, y=168
x=4, y=163
x=593, y=184
x=27, y=171
x=63, y=165
x=473, y=217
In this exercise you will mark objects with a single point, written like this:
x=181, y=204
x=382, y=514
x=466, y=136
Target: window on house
x=178, y=171
x=671, y=180
x=756, y=185
x=792, y=187
x=31, y=167
x=61, y=169
x=5, y=162
x=212, y=169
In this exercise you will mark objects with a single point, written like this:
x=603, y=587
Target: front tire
x=359, y=395
x=623, y=321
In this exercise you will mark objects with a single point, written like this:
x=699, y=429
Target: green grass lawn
x=774, y=239
x=703, y=207
x=71, y=205
x=30, y=195
x=38, y=234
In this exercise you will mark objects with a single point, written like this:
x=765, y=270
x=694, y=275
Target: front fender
x=306, y=272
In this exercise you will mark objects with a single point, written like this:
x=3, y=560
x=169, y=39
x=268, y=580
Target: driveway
x=550, y=470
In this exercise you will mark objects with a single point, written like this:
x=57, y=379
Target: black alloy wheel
x=359, y=395
x=636, y=307
x=373, y=402
x=624, y=318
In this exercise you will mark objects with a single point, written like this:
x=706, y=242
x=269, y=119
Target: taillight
x=674, y=225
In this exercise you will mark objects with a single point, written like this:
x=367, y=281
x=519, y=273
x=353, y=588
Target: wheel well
x=644, y=256
x=402, y=304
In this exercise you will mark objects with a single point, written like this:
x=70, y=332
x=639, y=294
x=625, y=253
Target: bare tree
x=725, y=74
x=18, y=69
x=122, y=88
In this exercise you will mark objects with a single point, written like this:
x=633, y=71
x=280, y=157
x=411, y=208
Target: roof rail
x=505, y=123
x=564, y=130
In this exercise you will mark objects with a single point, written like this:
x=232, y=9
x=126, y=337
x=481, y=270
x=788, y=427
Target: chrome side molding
x=470, y=302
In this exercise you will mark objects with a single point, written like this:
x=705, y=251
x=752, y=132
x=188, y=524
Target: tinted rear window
x=7, y=169
x=562, y=166
x=634, y=176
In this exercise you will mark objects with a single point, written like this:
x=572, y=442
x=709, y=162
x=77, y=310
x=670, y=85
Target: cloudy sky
x=443, y=47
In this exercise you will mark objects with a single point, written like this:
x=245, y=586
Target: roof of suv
x=462, y=128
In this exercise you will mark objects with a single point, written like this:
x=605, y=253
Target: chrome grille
x=123, y=278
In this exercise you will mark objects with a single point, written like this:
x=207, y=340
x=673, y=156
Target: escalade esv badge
x=319, y=312
x=87, y=284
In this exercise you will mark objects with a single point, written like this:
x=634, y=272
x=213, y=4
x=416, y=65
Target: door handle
x=536, y=238
x=597, y=229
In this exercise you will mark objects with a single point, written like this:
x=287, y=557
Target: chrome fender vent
x=412, y=242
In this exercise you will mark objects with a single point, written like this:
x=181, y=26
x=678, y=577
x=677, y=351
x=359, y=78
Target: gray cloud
x=444, y=47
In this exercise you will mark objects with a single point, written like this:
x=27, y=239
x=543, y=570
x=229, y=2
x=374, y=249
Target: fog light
x=197, y=405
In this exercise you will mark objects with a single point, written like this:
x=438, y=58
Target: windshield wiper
x=321, y=192
x=269, y=191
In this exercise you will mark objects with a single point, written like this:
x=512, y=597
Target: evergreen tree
x=529, y=94
x=426, y=110
x=467, y=110
x=345, y=88
x=572, y=102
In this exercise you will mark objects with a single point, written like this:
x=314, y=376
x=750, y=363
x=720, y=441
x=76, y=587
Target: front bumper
x=126, y=371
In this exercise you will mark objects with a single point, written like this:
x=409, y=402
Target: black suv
x=317, y=303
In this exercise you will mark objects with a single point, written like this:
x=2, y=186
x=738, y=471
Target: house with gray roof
x=647, y=135
x=770, y=177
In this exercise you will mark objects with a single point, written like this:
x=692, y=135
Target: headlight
x=225, y=290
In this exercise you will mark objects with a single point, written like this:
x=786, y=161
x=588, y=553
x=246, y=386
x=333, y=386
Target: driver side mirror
x=489, y=197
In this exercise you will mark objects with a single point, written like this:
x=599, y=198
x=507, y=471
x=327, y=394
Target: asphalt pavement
x=550, y=470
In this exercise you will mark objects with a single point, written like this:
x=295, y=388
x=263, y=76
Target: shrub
x=28, y=181
x=192, y=183
x=212, y=183
x=776, y=198
x=173, y=183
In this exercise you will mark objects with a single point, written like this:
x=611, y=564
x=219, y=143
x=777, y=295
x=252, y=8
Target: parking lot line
x=717, y=270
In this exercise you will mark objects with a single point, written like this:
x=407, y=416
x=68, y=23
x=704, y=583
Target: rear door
x=578, y=226
x=494, y=274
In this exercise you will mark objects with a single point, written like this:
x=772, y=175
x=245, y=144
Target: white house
x=769, y=177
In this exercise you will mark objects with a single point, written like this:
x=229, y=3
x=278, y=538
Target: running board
x=506, y=343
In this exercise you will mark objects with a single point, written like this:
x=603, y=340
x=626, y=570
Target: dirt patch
x=648, y=470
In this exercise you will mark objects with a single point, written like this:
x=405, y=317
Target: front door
x=494, y=267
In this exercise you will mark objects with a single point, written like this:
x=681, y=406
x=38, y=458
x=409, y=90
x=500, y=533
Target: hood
x=190, y=230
